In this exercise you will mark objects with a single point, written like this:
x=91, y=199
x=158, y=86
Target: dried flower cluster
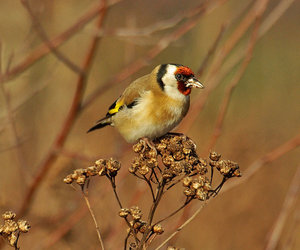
x=162, y=164
x=178, y=155
x=226, y=167
x=196, y=188
x=136, y=224
x=11, y=229
x=101, y=167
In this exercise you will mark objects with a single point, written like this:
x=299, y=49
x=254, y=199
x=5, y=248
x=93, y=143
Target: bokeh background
x=253, y=44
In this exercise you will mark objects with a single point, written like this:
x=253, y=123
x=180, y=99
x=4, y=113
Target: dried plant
x=12, y=229
x=169, y=161
x=228, y=57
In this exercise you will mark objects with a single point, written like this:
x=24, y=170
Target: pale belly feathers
x=146, y=120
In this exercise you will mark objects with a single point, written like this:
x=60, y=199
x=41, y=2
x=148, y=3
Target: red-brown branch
x=57, y=41
x=212, y=77
x=43, y=35
x=51, y=156
x=192, y=19
x=229, y=90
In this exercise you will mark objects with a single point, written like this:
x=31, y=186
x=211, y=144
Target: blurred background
x=245, y=52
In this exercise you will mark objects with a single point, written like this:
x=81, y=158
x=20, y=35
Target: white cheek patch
x=171, y=84
x=169, y=78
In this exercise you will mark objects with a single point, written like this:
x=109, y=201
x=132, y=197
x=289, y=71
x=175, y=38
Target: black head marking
x=160, y=74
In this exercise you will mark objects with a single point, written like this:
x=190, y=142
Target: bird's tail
x=101, y=123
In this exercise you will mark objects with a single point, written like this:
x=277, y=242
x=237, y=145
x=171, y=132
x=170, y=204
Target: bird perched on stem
x=153, y=104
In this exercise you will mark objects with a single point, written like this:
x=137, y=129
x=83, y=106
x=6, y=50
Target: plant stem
x=188, y=200
x=94, y=218
x=160, y=192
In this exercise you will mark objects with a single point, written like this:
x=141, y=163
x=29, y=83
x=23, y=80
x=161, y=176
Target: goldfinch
x=152, y=105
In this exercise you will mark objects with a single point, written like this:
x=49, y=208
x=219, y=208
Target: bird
x=152, y=105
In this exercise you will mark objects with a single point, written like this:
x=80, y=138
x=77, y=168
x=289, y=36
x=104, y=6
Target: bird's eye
x=179, y=77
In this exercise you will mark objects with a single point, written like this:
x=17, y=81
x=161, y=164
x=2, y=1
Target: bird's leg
x=149, y=143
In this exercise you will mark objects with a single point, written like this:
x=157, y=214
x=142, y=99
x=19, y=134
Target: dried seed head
x=167, y=174
x=186, y=181
x=214, y=156
x=237, y=173
x=158, y=229
x=173, y=146
x=80, y=171
x=143, y=226
x=143, y=170
x=161, y=146
x=8, y=215
x=167, y=160
x=81, y=180
x=102, y=170
x=201, y=194
x=152, y=163
x=124, y=212
x=188, y=146
x=113, y=166
x=195, y=185
x=93, y=170
x=10, y=226
x=178, y=155
x=193, y=160
x=13, y=239
x=23, y=226
x=177, y=168
x=132, y=169
x=207, y=186
x=138, y=147
x=136, y=213
x=188, y=192
x=68, y=179
x=201, y=167
x=100, y=163
x=150, y=154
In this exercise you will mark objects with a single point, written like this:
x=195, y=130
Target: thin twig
x=212, y=76
x=22, y=165
x=229, y=90
x=269, y=21
x=64, y=228
x=115, y=192
x=69, y=121
x=42, y=33
x=212, y=50
x=181, y=227
x=251, y=170
x=112, y=181
x=94, y=218
x=273, y=17
x=163, y=43
x=175, y=212
x=160, y=191
x=57, y=41
x=25, y=98
x=290, y=200
x=151, y=189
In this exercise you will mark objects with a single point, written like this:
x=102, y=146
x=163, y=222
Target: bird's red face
x=186, y=80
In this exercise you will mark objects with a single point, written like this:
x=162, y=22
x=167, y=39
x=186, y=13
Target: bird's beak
x=194, y=83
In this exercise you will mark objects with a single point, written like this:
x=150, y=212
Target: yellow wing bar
x=115, y=108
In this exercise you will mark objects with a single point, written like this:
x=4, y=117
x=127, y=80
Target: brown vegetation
x=62, y=64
